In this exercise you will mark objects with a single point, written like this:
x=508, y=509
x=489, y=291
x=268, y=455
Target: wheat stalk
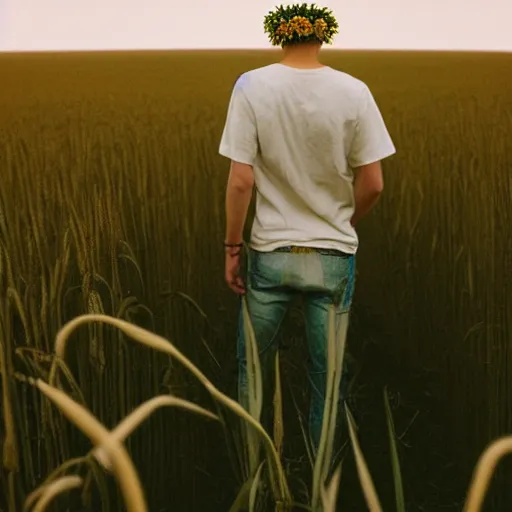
x=280, y=489
x=484, y=471
x=122, y=464
x=136, y=417
x=44, y=495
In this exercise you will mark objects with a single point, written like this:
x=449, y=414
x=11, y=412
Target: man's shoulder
x=349, y=81
x=271, y=69
x=342, y=82
x=253, y=74
x=261, y=70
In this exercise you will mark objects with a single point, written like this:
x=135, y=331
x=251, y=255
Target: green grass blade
x=253, y=494
x=255, y=389
x=395, y=460
x=335, y=353
x=305, y=437
x=370, y=494
x=338, y=350
x=242, y=498
x=330, y=493
x=205, y=321
x=253, y=366
x=278, y=409
x=320, y=462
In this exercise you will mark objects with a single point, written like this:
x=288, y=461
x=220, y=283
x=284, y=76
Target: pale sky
x=46, y=25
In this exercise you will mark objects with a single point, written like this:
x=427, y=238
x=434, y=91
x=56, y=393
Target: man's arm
x=368, y=186
x=371, y=144
x=240, y=144
x=238, y=199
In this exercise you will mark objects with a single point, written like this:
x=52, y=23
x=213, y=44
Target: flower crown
x=299, y=24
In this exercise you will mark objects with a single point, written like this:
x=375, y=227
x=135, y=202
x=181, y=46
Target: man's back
x=313, y=126
x=311, y=139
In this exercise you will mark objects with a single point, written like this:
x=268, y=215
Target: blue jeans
x=273, y=278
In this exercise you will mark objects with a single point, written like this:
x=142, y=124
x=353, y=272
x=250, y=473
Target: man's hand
x=232, y=272
x=238, y=196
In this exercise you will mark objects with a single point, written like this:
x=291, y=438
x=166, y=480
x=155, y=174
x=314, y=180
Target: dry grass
x=113, y=195
x=118, y=457
x=44, y=495
x=112, y=454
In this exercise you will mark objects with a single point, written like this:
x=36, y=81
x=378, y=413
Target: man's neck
x=302, y=64
x=302, y=56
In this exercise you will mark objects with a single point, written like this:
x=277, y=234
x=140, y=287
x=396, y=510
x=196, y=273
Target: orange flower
x=301, y=26
x=283, y=29
x=320, y=27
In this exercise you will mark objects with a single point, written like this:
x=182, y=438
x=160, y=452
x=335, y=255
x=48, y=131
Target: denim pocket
x=339, y=279
x=318, y=273
x=266, y=269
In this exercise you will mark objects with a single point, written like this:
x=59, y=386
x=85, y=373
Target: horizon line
x=251, y=49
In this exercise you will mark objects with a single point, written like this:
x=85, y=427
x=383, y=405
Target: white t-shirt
x=303, y=131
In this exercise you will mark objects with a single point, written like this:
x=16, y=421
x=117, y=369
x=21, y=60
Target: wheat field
x=112, y=202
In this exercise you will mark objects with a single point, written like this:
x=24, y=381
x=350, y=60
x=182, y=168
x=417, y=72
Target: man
x=310, y=139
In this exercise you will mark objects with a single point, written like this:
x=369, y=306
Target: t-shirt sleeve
x=239, y=140
x=371, y=141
